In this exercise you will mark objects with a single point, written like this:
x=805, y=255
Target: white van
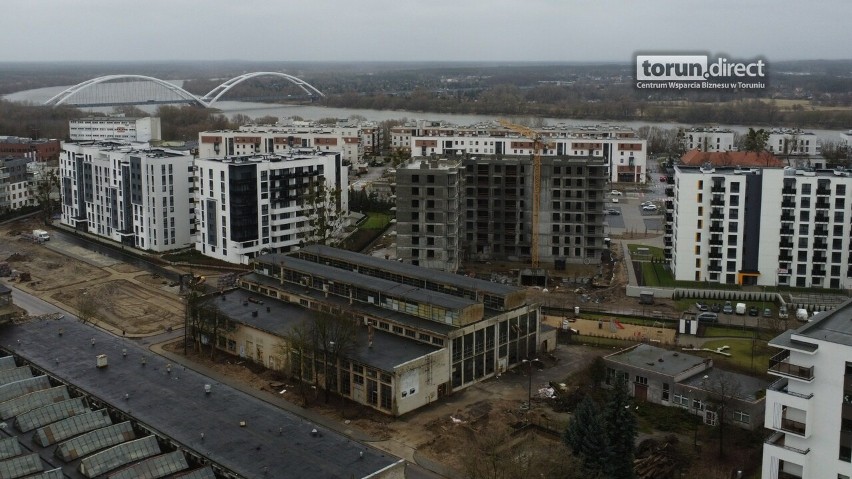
x=740, y=309
x=802, y=314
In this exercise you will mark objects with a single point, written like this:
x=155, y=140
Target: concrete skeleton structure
x=623, y=152
x=421, y=334
x=677, y=379
x=255, y=204
x=134, y=195
x=759, y=225
x=809, y=406
x=116, y=128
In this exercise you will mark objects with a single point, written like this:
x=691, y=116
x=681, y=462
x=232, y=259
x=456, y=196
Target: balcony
x=823, y=191
x=785, y=257
x=788, y=203
x=787, y=475
x=670, y=192
x=788, y=191
x=717, y=215
x=786, y=243
x=820, y=231
x=787, y=217
x=717, y=201
x=777, y=439
x=823, y=205
x=780, y=366
x=820, y=258
x=821, y=218
x=786, y=231
x=820, y=244
x=782, y=386
x=717, y=188
x=795, y=427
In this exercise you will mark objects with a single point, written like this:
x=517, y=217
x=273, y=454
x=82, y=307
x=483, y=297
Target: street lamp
x=529, y=363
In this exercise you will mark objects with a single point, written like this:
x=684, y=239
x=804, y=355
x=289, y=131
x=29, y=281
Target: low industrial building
x=677, y=379
x=421, y=334
x=115, y=128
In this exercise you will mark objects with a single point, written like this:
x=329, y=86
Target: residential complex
x=759, y=225
x=252, y=204
x=115, y=128
x=792, y=142
x=809, y=406
x=352, y=140
x=420, y=334
x=677, y=379
x=15, y=183
x=708, y=139
x=140, y=197
x=40, y=150
x=622, y=151
x=483, y=206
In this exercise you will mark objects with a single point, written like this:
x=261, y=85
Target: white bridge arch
x=206, y=101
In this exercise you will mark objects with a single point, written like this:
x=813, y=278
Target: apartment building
x=141, y=197
x=792, y=142
x=693, y=383
x=351, y=140
x=422, y=334
x=620, y=148
x=16, y=187
x=708, y=139
x=256, y=204
x=104, y=128
x=40, y=150
x=429, y=213
x=809, y=406
x=495, y=204
x=760, y=225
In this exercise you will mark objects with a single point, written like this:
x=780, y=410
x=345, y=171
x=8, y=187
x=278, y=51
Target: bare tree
x=723, y=391
x=322, y=205
x=87, y=307
x=336, y=338
x=493, y=453
x=44, y=190
x=298, y=348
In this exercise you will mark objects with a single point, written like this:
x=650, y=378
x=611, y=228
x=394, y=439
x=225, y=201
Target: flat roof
x=833, y=326
x=731, y=384
x=176, y=406
x=410, y=270
x=279, y=317
x=656, y=359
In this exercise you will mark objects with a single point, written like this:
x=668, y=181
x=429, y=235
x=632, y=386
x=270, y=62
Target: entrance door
x=640, y=392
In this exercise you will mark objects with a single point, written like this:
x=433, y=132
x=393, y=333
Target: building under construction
x=481, y=208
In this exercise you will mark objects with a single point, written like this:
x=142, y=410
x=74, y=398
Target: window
x=742, y=417
x=641, y=380
x=666, y=392
x=680, y=400
x=697, y=404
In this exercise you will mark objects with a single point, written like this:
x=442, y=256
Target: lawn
x=741, y=354
x=376, y=221
x=367, y=232
x=655, y=274
x=652, y=250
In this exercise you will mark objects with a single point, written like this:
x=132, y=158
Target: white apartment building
x=791, y=141
x=708, y=139
x=809, y=406
x=761, y=226
x=116, y=128
x=138, y=197
x=621, y=148
x=257, y=204
x=280, y=139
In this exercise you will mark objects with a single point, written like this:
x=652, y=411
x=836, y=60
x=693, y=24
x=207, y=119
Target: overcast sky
x=420, y=30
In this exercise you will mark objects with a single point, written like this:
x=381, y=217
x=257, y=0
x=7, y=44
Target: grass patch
x=367, y=232
x=193, y=256
x=656, y=417
x=655, y=274
x=652, y=250
x=376, y=221
x=741, y=354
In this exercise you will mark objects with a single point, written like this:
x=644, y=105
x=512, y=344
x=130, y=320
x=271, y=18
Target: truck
x=41, y=235
x=740, y=309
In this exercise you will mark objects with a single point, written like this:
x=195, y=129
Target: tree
x=87, y=307
x=620, y=431
x=45, y=192
x=322, y=207
x=723, y=390
x=494, y=453
x=298, y=348
x=755, y=140
x=586, y=436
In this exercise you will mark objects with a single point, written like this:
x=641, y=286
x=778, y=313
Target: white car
x=615, y=193
x=646, y=203
x=649, y=208
x=615, y=200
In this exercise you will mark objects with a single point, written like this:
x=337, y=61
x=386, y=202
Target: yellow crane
x=539, y=143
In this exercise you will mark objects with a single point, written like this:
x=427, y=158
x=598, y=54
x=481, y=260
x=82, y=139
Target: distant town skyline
x=407, y=30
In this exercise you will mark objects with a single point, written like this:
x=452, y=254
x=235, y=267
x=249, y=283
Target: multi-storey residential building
x=279, y=139
x=15, y=183
x=138, y=197
x=809, y=406
x=624, y=153
x=422, y=334
x=760, y=225
x=116, y=128
x=40, y=150
x=496, y=208
x=708, y=139
x=792, y=142
x=255, y=204
x=429, y=214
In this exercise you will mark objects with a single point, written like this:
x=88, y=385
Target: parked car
x=728, y=308
x=767, y=313
x=615, y=200
x=782, y=312
x=707, y=317
x=613, y=211
x=753, y=311
x=649, y=208
x=740, y=309
x=716, y=308
x=615, y=193
x=702, y=307
x=646, y=203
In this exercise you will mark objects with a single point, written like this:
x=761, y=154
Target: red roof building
x=745, y=159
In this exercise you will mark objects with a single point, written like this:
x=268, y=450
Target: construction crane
x=539, y=143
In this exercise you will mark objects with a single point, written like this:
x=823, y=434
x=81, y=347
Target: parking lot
x=629, y=215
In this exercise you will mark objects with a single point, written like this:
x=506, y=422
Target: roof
x=832, y=326
x=731, y=158
x=278, y=317
x=663, y=361
x=412, y=271
x=728, y=383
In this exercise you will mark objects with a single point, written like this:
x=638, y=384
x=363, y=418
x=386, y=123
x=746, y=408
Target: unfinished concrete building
x=496, y=209
x=429, y=213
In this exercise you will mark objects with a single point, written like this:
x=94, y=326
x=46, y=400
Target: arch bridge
x=115, y=90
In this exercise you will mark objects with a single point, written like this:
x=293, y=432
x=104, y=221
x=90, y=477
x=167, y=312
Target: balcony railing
x=779, y=364
x=781, y=386
x=777, y=439
x=789, y=425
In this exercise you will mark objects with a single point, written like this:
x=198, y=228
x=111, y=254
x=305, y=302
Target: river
x=313, y=112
